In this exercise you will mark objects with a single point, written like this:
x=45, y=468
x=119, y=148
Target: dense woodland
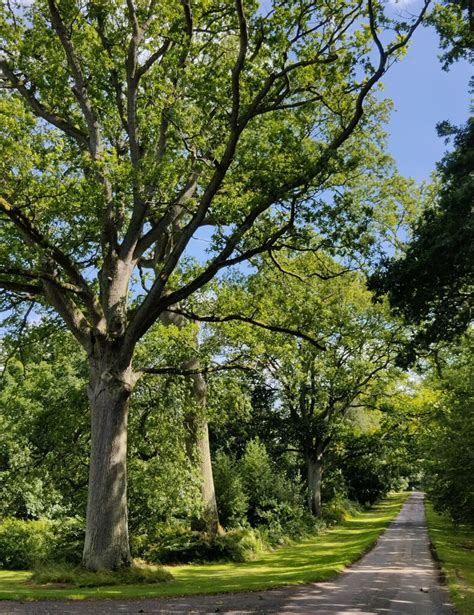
x=172, y=402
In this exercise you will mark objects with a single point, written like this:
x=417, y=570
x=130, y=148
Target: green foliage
x=163, y=483
x=76, y=576
x=255, y=490
x=338, y=509
x=431, y=285
x=68, y=541
x=24, y=544
x=454, y=21
x=181, y=545
x=43, y=449
x=368, y=471
x=243, y=544
x=232, y=500
x=340, y=360
x=449, y=442
x=44, y=435
x=274, y=500
x=69, y=153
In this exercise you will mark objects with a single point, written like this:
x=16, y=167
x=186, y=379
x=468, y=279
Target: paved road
x=398, y=577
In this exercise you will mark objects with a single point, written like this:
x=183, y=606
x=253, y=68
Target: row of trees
x=282, y=402
x=290, y=419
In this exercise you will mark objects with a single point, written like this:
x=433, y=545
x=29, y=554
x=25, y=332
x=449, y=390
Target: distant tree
x=315, y=382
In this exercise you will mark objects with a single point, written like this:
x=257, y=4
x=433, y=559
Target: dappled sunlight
x=397, y=577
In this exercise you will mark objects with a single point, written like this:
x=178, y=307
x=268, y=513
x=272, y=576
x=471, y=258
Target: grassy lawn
x=314, y=559
x=455, y=550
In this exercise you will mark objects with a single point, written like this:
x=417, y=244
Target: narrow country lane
x=397, y=577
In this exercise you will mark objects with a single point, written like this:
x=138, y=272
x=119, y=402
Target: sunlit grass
x=455, y=550
x=315, y=559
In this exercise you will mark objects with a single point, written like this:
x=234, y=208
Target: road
x=398, y=577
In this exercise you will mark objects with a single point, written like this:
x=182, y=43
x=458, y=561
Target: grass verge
x=314, y=559
x=454, y=547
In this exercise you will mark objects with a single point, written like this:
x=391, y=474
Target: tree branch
x=35, y=238
x=80, y=89
x=29, y=290
x=38, y=108
x=181, y=371
x=250, y=321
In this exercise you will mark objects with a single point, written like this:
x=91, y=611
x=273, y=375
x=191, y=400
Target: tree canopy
x=432, y=283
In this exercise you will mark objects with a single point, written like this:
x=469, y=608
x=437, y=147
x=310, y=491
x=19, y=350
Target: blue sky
x=424, y=95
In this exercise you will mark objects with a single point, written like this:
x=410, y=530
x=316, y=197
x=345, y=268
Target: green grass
x=139, y=573
x=314, y=559
x=455, y=551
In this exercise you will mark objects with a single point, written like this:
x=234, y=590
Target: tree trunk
x=106, y=542
x=198, y=438
x=210, y=518
x=315, y=472
x=199, y=433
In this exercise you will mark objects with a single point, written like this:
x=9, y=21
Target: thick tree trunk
x=106, y=542
x=315, y=473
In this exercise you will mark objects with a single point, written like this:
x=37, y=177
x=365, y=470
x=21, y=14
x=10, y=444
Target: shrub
x=241, y=545
x=274, y=500
x=232, y=502
x=24, y=544
x=185, y=546
x=338, y=509
x=68, y=541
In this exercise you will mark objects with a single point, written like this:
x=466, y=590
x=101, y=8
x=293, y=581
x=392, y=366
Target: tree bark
x=199, y=433
x=315, y=473
x=106, y=542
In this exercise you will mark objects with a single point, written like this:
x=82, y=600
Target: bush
x=69, y=537
x=253, y=491
x=24, y=544
x=275, y=501
x=186, y=546
x=338, y=509
x=232, y=502
x=241, y=545
x=282, y=521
